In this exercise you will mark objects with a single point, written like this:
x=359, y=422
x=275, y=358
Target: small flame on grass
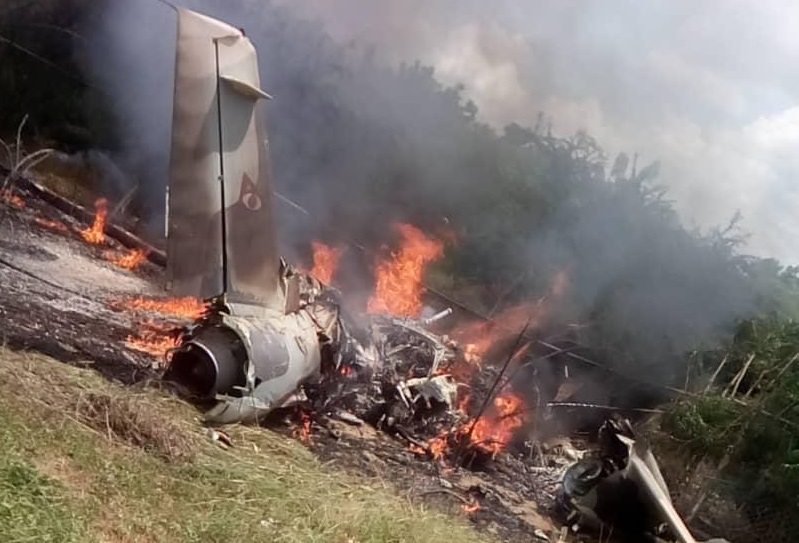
x=12, y=199
x=153, y=338
x=52, y=225
x=471, y=507
x=95, y=234
x=130, y=260
x=303, y=433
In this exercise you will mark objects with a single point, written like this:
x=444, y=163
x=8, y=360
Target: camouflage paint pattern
x=216, y=77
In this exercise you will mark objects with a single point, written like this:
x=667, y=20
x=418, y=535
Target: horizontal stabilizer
x=245, y=88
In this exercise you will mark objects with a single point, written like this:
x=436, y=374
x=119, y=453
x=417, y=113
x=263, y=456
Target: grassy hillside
x=86, y=460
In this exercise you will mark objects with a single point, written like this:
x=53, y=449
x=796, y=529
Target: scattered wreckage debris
x=620, y=489
x=395, y=376
x=262, y=339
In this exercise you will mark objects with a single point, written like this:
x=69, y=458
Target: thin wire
x=168, y=4
x=516, y=349
x=49, y=63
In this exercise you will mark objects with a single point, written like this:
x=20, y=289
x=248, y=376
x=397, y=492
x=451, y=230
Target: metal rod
x=438, y=316
x=221, y=170
x=604, y=407
x=293, y=204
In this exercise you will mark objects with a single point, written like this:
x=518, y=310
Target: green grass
x=86, y=460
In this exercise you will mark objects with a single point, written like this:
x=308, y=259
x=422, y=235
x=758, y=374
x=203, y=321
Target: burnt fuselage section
x=251, y=359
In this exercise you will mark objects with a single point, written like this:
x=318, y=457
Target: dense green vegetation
x=746, y=424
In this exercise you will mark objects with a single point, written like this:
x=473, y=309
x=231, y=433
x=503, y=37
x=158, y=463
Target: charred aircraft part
x=251, y=364
x=211, y=361
x=622, y=487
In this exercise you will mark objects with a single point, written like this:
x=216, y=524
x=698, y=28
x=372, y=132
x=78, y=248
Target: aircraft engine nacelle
x=251, y=364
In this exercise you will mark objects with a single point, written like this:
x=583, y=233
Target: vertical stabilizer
x=219, y=150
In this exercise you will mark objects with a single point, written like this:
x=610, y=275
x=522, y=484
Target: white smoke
x=706, y=88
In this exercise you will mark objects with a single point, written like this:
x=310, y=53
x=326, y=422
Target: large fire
x=489, y=433
x=95, y=234
x=325, y=262
x=398, y=280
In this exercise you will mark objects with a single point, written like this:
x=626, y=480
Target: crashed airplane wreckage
x=270, y=335
x=621, y=487
x=257, y=342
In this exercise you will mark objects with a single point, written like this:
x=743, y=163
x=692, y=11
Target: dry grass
x=87, y=460
x=140, y=417
x=73, y=180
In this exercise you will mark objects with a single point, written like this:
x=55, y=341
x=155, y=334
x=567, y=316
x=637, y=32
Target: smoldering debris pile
x=467, y=428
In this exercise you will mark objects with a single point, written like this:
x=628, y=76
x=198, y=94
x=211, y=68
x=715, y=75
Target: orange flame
x=438, y=446
x=12, y=199
x=478, y=337
x=471, y=507
x=53, y=225
x=96, y=233
x=496, y=427
x=488, y=434
x=398, y=288
x=154, y=339
x=303, y=433
x=130, y=260
x=325, y=261
x=188, y=307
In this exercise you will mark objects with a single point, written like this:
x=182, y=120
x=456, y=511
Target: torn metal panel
x=441, y=388
x=622, y=487
x=220, y=223
x=646, y=474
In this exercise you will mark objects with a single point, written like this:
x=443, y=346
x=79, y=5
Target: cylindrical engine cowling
x=259, y=362
x=213, y=361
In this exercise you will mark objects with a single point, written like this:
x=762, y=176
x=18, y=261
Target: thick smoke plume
x=361, y=143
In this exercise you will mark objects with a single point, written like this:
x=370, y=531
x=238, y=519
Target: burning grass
x=130, y=260
x=185, y=308
x=85, y=459
x=95, y=234
x=8, y=197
